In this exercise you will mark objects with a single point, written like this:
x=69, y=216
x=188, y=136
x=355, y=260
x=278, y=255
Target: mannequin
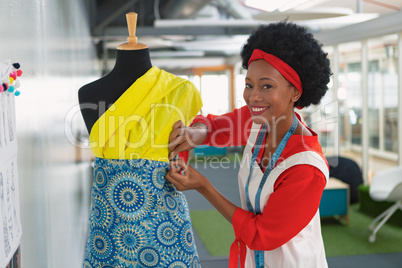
x=136, y=218
x=132, y=61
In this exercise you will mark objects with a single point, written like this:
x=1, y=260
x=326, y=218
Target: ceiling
x=185, y=33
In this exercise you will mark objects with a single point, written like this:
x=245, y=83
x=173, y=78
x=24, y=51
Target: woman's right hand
x=184, y=177
x=183, y=138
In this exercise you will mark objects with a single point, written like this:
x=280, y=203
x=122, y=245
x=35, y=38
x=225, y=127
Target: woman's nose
x=255, y=95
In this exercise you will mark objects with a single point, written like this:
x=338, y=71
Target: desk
x=335, y=200
x=205, y=150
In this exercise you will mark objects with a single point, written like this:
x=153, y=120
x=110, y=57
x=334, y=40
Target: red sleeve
x=231, y=129
x=289, y=209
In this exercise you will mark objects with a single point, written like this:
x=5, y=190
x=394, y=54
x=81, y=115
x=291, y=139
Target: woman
x=283, y=171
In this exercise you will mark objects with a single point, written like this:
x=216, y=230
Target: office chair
x=386, y=186
x=349, y=172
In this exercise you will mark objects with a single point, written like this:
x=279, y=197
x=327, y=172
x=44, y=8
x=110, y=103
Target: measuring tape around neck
x=259, y=255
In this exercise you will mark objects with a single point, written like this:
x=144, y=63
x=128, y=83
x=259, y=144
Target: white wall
x=51, y=41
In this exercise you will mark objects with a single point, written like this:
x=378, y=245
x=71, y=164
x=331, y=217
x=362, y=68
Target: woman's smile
x=257, y=110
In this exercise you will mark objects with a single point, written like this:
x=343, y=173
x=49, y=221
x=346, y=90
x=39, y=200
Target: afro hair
x=298, y=48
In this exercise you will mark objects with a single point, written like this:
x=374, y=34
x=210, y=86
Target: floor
x=391, y=260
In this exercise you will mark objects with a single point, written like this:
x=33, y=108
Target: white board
x=10, y=223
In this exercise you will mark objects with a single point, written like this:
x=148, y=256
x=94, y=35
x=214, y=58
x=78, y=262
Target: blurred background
x=62, y=45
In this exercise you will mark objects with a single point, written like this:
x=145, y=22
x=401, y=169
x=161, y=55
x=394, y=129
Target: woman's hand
x=184, y=177
x=184, y=138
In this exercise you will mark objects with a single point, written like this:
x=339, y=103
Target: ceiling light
x=265, y=5
x=175, y=54
x=311, y=14
x=310, y=4
x=291, y=5
x=273, y=5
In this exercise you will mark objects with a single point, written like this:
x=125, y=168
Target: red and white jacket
x=288, y=228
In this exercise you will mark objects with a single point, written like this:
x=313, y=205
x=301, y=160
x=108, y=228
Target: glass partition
x=350, y=93
x=374, y=102
x=324, y=117
x=383, y=93
x=214, y=88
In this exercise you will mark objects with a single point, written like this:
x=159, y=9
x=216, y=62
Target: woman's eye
x=248, y=86
x=266, y=86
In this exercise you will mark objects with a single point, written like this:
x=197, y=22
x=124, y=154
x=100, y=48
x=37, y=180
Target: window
x=383, y=93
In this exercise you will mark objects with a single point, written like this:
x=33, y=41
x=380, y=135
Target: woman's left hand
x=184, y=177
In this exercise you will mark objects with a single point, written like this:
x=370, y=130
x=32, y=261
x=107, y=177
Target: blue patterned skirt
x=137, y=218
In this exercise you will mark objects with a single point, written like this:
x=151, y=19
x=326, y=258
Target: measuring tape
x=259, y=255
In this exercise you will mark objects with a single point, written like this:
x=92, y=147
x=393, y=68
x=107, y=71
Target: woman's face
x=268, y=95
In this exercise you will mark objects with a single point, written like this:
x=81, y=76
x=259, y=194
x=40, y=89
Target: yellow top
x=139, y=123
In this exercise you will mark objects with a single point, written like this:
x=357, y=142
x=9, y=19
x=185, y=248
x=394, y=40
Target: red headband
x=288, y=72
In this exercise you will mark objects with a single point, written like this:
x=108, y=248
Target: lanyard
x=259, y=255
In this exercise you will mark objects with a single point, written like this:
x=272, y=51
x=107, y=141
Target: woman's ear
x=296, y=94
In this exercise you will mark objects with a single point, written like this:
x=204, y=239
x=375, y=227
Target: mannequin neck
x=132, y=63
